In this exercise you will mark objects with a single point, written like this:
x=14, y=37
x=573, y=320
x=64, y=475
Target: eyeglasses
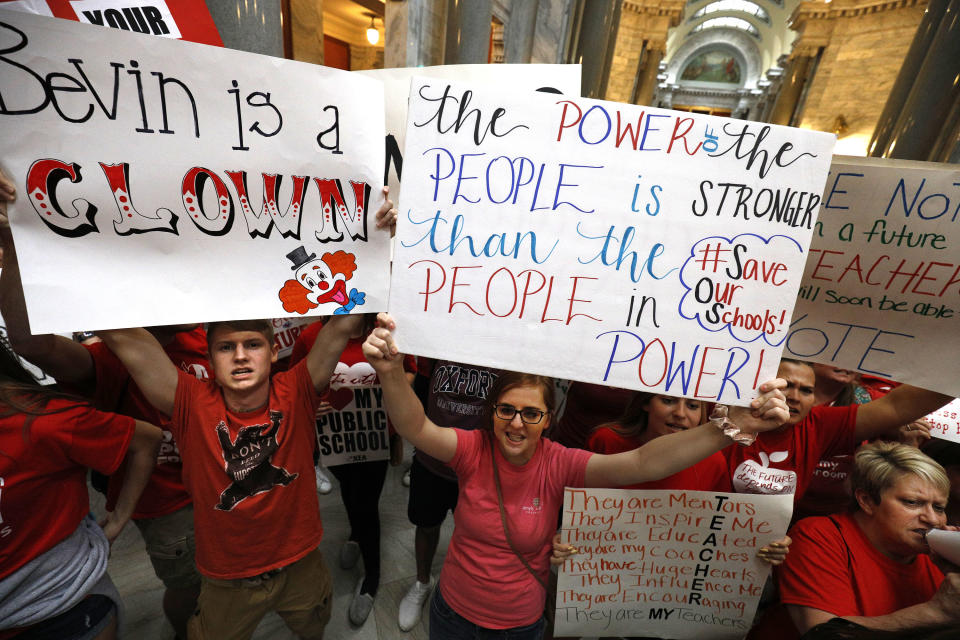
x=528, y=415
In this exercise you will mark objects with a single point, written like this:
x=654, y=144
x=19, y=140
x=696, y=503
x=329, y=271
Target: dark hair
x=20, y=393
x=510, y=380
x=260, y=326
x=633, y=421
x=802, y=363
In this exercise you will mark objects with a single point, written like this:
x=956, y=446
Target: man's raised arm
x=148, y=364
x=330, y=343
x=57, y=356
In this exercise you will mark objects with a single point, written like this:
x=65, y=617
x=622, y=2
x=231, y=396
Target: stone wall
x=362, y=58
x=866, y=47
x=641, y=24
x=306, y=25
x=626, y=56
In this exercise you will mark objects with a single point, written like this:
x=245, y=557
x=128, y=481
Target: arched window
x=718, y=66
x=743, y=6
x=730, y=23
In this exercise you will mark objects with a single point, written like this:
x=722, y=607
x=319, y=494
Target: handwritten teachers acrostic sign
x=881, y=290
x=666, y=564
x=599, y=241
x=163, y=182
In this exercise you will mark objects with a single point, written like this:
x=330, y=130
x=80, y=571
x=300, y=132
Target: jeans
x=447, y=624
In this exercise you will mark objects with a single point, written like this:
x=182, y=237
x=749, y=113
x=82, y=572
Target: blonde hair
x=879, y=465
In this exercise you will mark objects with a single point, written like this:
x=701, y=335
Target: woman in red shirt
x=53, y=555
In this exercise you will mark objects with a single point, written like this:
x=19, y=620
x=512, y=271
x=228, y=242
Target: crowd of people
x=208, y=445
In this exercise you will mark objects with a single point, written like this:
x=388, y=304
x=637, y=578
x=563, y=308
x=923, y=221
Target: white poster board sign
x=601, y=242
x=665, y=564
x=881, y=289
x=354, y=429
x=945, y=422
x=165, y=182
x=553, y=78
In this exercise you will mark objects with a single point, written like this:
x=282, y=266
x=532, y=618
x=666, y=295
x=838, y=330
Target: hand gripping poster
x=601, y=242
x=166, y=182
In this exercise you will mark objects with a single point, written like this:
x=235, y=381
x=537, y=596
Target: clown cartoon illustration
x=318, y=282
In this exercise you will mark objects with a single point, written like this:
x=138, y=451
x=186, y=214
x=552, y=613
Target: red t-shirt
x=482, y=579
x=116, y=391
x=840, y=572
x=783, y=462
x=588, y=405
x=250, y=475
x=829, y=489
x=710, y=474
x=43, y=475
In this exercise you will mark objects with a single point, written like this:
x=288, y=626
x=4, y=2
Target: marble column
x=468, y=31
x=519, y=32
x=598, y=35
x=926, y=32
x=249, y=25
x=413, y=33
x=555, y=19
x=648, y=75
x=933, y=95
x=790, y=90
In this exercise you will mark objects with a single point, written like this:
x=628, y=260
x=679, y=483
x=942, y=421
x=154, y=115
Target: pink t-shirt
x=482, y=579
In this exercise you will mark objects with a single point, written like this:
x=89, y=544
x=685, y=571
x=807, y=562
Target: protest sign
x=601, y=242
x=665, y=564
x=883, y=279
x=552, y=78
x=285, y=332
x=354, y=429
x=165, y=182
x=181, y=19
x=945, y=422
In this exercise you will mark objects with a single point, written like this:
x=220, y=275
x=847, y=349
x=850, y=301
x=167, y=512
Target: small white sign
x=152, y=17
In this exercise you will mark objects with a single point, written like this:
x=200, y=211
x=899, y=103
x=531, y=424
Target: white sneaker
x=411, y=607
x=405, y=480
x=323, y=482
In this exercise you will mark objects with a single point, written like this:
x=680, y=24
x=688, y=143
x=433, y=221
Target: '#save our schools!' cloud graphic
x=320, y=281
x=718, y=270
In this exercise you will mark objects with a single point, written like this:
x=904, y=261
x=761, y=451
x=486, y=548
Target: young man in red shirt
x=246, y=441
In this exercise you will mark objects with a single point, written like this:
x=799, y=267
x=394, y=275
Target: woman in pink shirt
x=494, y=577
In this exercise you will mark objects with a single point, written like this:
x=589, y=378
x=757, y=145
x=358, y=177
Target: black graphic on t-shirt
x=248, y=461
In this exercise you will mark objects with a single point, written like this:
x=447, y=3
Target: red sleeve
x=816, y=573
x=297, y=382
x=606, y=440
x=573, y=465
x=409, y=364
x=187, y=389
x=91, y=438
x=111, y=377
x=469, y=445
x=833, y=429
x=303, y=343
